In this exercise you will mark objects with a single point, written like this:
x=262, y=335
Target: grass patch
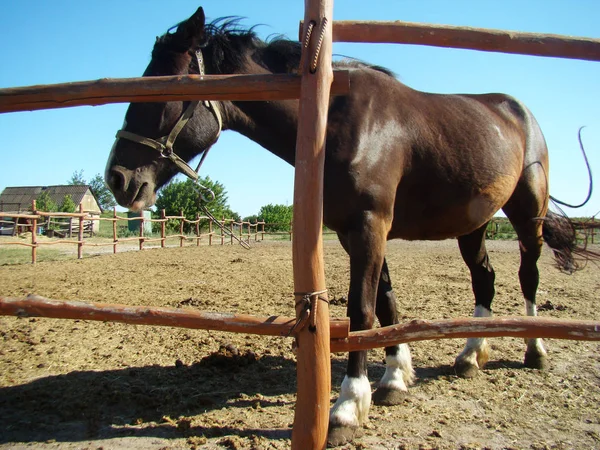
x=12, y=255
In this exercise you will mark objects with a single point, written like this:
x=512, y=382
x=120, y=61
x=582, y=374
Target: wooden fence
x=65, y=226
x=79, y=222
x=312, y=85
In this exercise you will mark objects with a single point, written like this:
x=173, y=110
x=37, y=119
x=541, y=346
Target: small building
x=18, y=200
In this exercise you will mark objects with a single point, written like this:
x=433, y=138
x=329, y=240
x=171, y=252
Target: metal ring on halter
x=201, y=190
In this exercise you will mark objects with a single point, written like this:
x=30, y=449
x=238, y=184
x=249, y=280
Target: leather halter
x=164, y=144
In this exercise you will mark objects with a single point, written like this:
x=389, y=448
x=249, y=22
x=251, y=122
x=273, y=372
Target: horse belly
x=449, y=212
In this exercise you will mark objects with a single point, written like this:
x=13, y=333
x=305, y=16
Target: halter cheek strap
x=164, y=144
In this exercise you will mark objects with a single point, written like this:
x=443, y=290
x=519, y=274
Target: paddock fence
x=72, y=228
x=312, y=86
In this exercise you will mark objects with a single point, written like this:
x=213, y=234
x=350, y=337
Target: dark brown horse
x=399, y=164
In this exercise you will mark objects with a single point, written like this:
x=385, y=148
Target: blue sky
x=58, y=41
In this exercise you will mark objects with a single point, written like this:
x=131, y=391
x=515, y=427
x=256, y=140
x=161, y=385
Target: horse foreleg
x=472, y=248
x=366, y=250
x=399, y=373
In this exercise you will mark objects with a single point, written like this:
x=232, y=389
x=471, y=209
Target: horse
x=399, y=163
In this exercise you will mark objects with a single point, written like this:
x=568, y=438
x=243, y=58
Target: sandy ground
x=84, y=384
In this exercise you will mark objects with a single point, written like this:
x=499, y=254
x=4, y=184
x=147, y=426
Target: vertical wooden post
x=223, y=231
x=80, y=233
x=114, y=227
x=231, y=232
x=33, y=233
x=210, y=232
x=141, y=232
x=197, y=229
x=163, y=227
x=314, y=364
x=181, y=229
x=262, y=236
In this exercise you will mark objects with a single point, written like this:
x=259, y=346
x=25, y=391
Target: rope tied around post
x=308, y=303
x=317, y=49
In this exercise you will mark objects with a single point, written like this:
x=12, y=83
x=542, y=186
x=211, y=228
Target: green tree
x=77, y=178
x=105, y=198
x=44, y=202
x=252, y=219
x=276, y=217
x=67, y=205
x=179, y=196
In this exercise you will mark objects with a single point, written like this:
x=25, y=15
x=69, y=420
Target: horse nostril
x=117, y=180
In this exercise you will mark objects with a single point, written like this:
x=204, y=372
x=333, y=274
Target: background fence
x=63, y=227
x=73, y=228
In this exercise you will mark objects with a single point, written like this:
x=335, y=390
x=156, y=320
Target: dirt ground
x=90, y=385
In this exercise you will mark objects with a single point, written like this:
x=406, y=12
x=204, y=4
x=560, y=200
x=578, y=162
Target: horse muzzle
x=133, y=189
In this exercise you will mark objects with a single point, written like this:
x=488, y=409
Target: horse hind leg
x=530, y=246
x=399, y=373
x=472, y=248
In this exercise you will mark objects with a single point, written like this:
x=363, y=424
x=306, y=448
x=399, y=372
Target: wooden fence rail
x=342, y=339
x=468, y=38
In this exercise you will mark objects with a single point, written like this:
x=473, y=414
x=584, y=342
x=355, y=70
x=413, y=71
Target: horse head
x=159, y=139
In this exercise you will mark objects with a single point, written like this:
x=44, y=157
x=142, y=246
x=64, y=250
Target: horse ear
x=192, y=31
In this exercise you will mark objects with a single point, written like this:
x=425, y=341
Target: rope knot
x=308, y=313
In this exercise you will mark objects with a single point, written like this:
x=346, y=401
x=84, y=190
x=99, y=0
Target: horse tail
x=590, y=178
x=560, y=233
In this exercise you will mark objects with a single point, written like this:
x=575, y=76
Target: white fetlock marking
x=352, y=406
x=399, y=371
x=534, y=345
x=476, y=352
x=530, y=308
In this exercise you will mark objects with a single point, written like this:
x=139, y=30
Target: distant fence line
x=80, y=224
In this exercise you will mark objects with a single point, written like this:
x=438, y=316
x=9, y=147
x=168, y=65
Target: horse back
x=434, y=166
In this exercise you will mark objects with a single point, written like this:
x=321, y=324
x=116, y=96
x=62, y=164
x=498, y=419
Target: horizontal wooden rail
x=35, y=306
x=160, y=89
x=489, y=40
x=422, y=330
x=341, y=339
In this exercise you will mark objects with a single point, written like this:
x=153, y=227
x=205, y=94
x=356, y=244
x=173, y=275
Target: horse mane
x=227, y=44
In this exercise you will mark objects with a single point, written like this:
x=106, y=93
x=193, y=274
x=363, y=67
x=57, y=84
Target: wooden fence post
x=314, y=364
x=223, y=231
x=141, y=233
x=181, y=229
x=197, y=229
x=210, y=232
x=163, y=228
x=33, y=233
x=114, y=227
x=80, y=233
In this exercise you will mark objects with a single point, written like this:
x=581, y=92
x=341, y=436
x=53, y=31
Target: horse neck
x=272, y=124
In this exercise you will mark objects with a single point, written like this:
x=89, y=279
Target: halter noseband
x=164, y=144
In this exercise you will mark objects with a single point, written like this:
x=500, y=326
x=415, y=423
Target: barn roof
x=19, y=198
